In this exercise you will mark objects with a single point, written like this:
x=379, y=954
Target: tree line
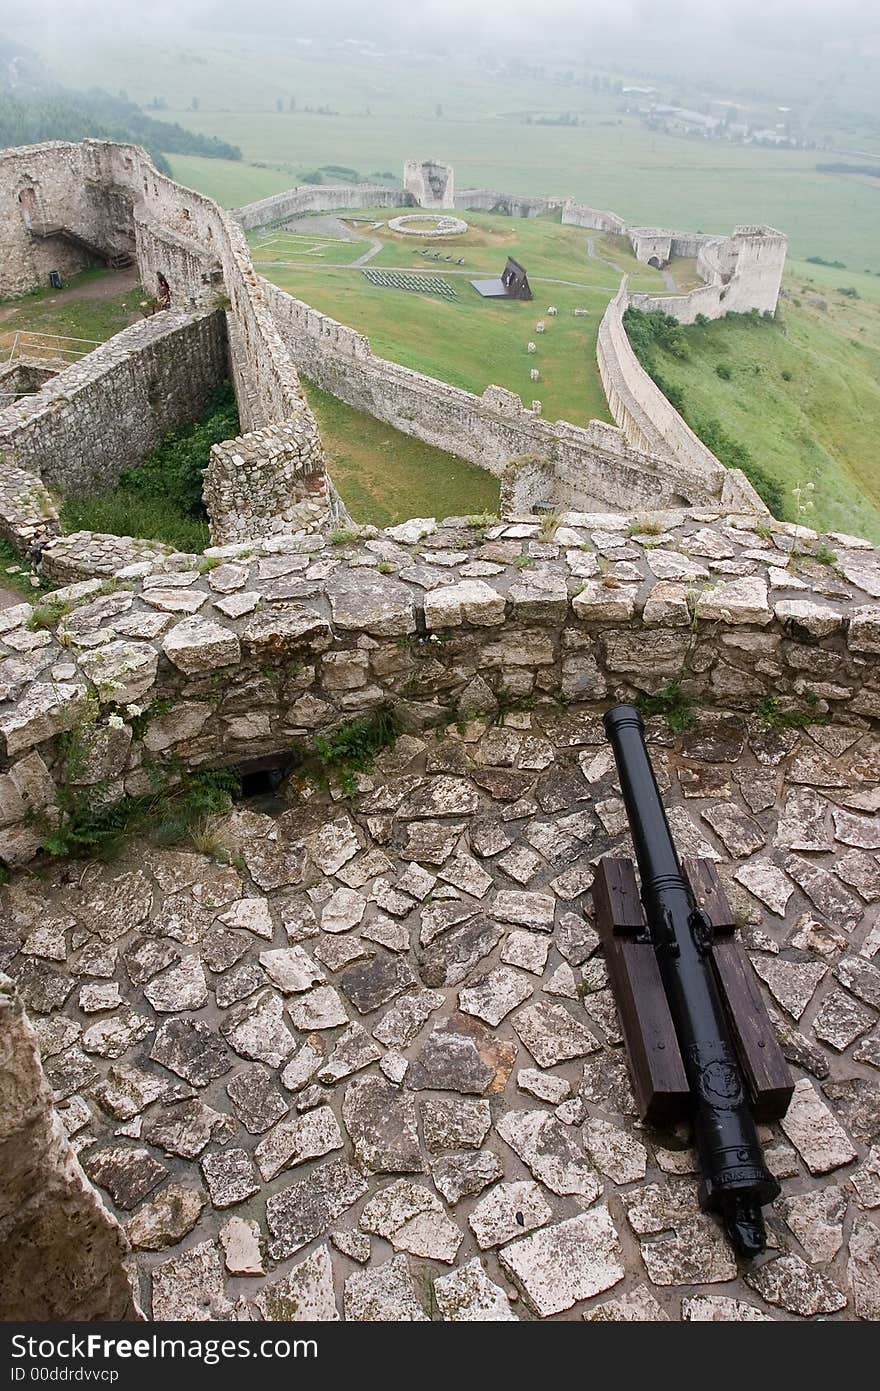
x=27, y=118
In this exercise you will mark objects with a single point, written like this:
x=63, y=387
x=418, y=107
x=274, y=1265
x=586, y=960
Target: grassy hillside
x=801, y=393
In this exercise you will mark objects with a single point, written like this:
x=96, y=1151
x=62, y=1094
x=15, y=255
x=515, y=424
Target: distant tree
x=279, y=104
x=291, y=105
x=194, y=104
x=439, y=111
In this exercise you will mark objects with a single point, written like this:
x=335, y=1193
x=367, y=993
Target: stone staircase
x=116, y=260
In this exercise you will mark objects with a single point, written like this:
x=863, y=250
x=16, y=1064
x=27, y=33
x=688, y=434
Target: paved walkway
x=373, y=1065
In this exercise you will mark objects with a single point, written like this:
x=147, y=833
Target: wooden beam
x=769, y=1080
x=659, y=1082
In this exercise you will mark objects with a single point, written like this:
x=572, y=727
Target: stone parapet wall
x=307, y=198
x=108, y=411
x=58, y=191
x=579, y=215
x=594, y=465
x=270, y=643
x=647, y=419
x=63, y=1251
x=94, y=556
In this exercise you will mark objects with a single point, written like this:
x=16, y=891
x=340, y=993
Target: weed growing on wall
x=90, y=827
x=673, y=703
x=338, y=757
x=773, y=714
x=162, y=499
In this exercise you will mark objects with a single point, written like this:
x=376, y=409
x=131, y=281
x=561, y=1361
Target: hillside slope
x=800, y=393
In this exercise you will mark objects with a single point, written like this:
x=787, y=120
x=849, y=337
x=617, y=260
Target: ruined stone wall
x=255, y=485
x=200, y=250
x=287, y=637
x=579, y=215
x=49, y=177
x=486, y=200
x=429, y=183
x=108, y=411
x=23, y=376
x=63, y=1252
x=638, y=405
x=307, y=198
x=742, y=272
x=651, y=244
x=594, y=465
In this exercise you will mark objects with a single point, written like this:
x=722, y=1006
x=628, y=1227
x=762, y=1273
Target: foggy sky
x=764, y=23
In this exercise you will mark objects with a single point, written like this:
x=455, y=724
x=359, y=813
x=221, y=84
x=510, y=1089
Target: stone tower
x=429, y=183
x=760, y=261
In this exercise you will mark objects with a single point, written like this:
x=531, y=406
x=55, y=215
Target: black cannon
x=673, y=961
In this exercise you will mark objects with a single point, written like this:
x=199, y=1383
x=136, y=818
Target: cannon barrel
x=735, y=1180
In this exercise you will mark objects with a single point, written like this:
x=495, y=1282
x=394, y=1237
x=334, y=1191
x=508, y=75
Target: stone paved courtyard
x=370, y=1067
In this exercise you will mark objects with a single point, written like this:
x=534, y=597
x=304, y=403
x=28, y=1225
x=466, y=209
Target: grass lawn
x=93, y=316
x=803, y=396
x=269, y=246
x=472, y=342
x=385, y=477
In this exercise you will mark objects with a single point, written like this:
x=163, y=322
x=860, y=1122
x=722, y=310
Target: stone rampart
x=579, y=215
x=488, y=200
x=648, y=421
x=281, y=639
x=255, y=485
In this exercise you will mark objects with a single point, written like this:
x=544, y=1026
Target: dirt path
x=107, y=287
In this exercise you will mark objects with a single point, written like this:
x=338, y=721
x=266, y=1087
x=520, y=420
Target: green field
x=647, y=178
x=803, y=395
x=385, y=477
x=472, y=342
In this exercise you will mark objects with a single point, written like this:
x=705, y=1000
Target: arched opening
x=655, y=262
x=27, y=201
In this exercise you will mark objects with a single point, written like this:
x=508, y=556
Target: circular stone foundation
x=428, y=225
